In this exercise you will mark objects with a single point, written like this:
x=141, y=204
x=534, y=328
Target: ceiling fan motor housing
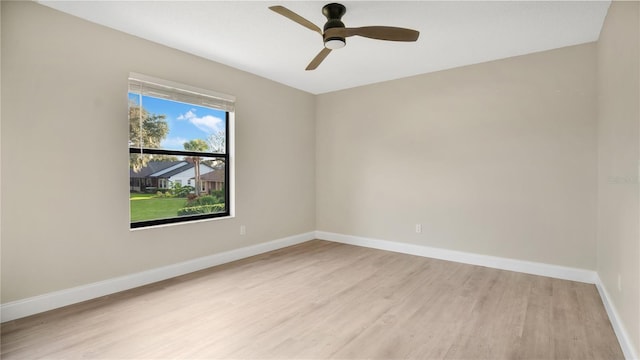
x=334, y=13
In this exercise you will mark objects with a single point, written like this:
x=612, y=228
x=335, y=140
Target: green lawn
x=148, y=207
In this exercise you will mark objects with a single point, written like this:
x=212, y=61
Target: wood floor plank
x=324, y=300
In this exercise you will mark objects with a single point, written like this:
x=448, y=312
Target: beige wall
x=64, y=155
x=618, y=248
x=497, y=158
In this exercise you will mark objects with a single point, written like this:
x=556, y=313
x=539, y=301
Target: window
x=178, y=135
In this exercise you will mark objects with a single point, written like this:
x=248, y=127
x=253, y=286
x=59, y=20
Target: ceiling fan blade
x=295, y=17
x=376, y=32
x=318, y=59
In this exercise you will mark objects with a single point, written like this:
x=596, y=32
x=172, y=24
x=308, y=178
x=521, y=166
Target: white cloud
x=188, y=115
x=207, y=123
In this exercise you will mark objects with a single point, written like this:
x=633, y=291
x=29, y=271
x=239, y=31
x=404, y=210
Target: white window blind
x=164, y=89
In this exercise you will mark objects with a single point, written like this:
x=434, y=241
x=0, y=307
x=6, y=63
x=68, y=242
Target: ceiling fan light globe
x=334, y=44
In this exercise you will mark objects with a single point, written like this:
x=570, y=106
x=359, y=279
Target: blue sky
x=186, y=121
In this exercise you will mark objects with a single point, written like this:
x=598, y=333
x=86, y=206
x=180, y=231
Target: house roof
x=216, y=175
x=166, y=169
x=153, y=167
x=167, y=173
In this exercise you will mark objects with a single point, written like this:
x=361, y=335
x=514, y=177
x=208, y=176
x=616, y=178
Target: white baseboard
x=37, y=304
x=528, y=267
x=630, y=353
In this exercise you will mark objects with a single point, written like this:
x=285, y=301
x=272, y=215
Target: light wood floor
x=325, y=300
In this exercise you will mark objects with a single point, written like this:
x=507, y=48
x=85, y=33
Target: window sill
x=180, y=223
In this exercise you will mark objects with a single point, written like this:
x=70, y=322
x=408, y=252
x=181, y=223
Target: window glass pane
x=168, y=186
x=172, y=125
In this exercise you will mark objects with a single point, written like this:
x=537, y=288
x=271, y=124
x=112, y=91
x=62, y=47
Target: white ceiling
x=248, y=36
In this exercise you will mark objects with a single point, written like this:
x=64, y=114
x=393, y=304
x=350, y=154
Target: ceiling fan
x=335, y=33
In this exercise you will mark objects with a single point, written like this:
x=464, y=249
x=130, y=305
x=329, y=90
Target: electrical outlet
x=619, y=283
x=418, y=228
x=243, y=230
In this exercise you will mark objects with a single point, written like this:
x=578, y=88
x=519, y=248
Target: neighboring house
x=163, y=174
x=213, y=180
x=144, y=178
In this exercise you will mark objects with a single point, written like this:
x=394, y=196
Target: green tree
x=145, y=131
x=200, y=146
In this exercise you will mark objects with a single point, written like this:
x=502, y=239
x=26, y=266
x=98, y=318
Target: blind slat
x=149, y=86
